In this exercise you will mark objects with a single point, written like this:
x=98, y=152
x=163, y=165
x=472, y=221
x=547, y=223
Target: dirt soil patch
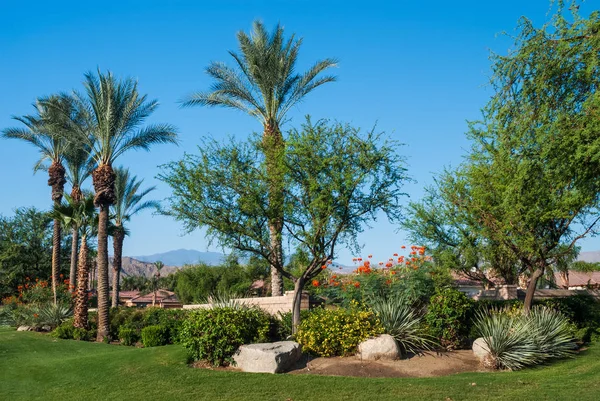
x=428, y=365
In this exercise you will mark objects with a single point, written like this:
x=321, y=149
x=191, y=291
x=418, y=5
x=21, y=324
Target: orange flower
x=380, y=263
x=395, y=254
x=357, y=284
x=403, y=247
x=329, y=262
x=35, y=315
x=388, y=282
x=324, y=267
x=316, y=283
x=370, y=256
x=60, y=275
x=392, y=272
x=360, y=259
x=367, y=263
x=388, y=265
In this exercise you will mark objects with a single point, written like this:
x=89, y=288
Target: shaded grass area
x=36, y=366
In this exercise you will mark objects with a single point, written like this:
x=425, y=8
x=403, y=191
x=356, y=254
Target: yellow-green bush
x=331, y=332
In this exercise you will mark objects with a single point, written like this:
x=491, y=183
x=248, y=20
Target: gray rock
x=380, y=347
x=480, y=349
x=23, y=328
x=268, y=357
x=46, y=328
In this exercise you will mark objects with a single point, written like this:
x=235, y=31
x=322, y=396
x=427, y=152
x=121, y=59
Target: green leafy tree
x=336, y=181
x=25, y=248
x=42, y=130
x=454, y=237
x=264, y=84
x=115, y=114
x=129, y=201
x=532, y=177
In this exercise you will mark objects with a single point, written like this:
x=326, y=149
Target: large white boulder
x=380, y=347
x=23, y=328
x=480, y=349
x=268, y=357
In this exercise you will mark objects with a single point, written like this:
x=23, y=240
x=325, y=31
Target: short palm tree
x=129, y=201
x=264, y=84
x=115, y=113
x=81, y=214
x=42, y=130
x=159, y=265
x=79, y=168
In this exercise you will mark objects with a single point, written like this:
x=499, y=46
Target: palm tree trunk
x=74, y=245
x=274, y=151
x=118, y=238
x=56, y=180
x=81, y=298
x=56, y=234
x=103, y=325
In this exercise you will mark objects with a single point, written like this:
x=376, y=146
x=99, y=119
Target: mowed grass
x=37, y=366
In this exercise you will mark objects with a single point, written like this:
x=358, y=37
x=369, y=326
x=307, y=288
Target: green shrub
x=402, y=322
x=81, y=334
x=171, y=319
x=54, y=314
x=283, y=326
x=154, y=336
x=215, y=334
x=448, y=317
x=331, y=332
x=128, y=335
x=517, y=341
x=65, y=331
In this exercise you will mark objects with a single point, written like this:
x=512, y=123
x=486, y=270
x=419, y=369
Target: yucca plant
x=54, y=314
x=518, y=341
x=403, y=323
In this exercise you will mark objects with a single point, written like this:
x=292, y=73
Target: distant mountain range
x=173, y=260
x=181, y=257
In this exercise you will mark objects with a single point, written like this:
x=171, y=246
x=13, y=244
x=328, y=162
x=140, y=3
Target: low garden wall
x=271, y=305
x=505, y=292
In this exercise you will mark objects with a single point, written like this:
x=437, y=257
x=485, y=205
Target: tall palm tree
x=44, y=131
x=129, y=201
x=79, y=168
x=116, y=112
x=159, y=265
x=81, y=214
x=264, y=84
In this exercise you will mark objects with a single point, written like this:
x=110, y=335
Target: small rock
x=480, y=349
x=23, y=328
x=268, y=357
x=46, y=328
x=380, y=347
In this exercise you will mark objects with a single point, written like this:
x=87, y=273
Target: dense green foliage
x=448, y=317
x=215, y=334
x=331, y=332
x=128, y=335
x=194, y=284
x=154, y=336
x=26, y=249
x=516, y=340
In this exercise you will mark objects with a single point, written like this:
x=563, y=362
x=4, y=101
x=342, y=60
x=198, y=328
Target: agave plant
x=224, y=299
x=518, y=341
x=54, y=314
x=403, y=323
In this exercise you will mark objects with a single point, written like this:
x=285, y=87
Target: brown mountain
x=134, y=267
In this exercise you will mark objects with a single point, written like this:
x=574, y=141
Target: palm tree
x=115, y=113
x=81, y=214
x=129, y=201
x=264, y=84
x=79, y=168
x=159, y=265
x=44, y=131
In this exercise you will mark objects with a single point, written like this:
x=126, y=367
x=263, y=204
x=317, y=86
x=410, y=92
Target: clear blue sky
x=419, y=69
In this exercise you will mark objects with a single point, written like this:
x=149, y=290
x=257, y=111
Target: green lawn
x=36, y=366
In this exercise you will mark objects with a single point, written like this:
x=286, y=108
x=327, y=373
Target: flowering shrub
x=410, y=277
x=330, y=332
x=215, y=334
